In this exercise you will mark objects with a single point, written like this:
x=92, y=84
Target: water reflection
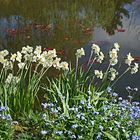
x=72, y=22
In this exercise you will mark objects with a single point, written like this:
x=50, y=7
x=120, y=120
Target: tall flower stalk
x=79, y=54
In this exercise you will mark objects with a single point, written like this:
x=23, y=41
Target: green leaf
x=109, y=136
x=138, y=131
x=79, y=97
x=65, y=107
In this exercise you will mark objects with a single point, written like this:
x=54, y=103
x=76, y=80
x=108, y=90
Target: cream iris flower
x=4, y=53
x=80, y=53
x=24, y=50
x=116, y=46
x=96, y=48
x=9, y=78
x=99, y=74
x=113, y=54
x=7, y=64
x=64, y=66
x=2, y=59
x=13, y=57
x=29, y=49
x=37, y=50
x=113, y=61
x=52, y=53
x=100, y=57
x=56, y=63
x=134, y=68
x=19, y=57
x=129, y=59
x=21, y=65
x=113, y=74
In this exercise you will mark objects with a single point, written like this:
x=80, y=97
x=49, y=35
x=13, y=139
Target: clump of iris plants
x=21, y=74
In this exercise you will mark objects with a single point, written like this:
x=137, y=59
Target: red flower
x=47, y=49
x=121, y=30
x=137, y=58
x=61, y=52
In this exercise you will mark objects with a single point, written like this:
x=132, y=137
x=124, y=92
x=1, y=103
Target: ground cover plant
x=79, y=104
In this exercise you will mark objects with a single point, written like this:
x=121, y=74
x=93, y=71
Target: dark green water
x=70, y=24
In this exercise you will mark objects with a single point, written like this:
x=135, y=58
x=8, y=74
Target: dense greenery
x=79, y=104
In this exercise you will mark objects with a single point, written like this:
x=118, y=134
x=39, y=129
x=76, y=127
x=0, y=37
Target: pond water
x=72, y=24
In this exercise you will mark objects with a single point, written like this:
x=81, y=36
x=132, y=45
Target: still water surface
x=72, y=24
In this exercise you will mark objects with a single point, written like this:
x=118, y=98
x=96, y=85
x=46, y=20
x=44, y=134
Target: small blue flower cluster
x=91, y=117
x=4, y=116
x=133, y=108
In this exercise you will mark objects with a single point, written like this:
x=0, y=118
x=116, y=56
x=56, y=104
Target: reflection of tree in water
x=71, y=22
x=134, y=22
x=118, y=14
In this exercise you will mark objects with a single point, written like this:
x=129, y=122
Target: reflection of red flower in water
x=12, y=31
x=67, y=38
x=60, y=52
x=137, y=58
x=23, y=30
x=87, y=31
x=92, y=61
x=78, y=42
x=59, y=27
x=110, y=33
x=42, y=27
x=47, y=49
x=121, y=30
x=56, y=75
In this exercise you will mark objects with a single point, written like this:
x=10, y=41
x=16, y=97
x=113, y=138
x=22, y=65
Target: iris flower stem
x=90, y=57
x=120, y=76
x=91, y=65
x=105, y=76
x=76, y=73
